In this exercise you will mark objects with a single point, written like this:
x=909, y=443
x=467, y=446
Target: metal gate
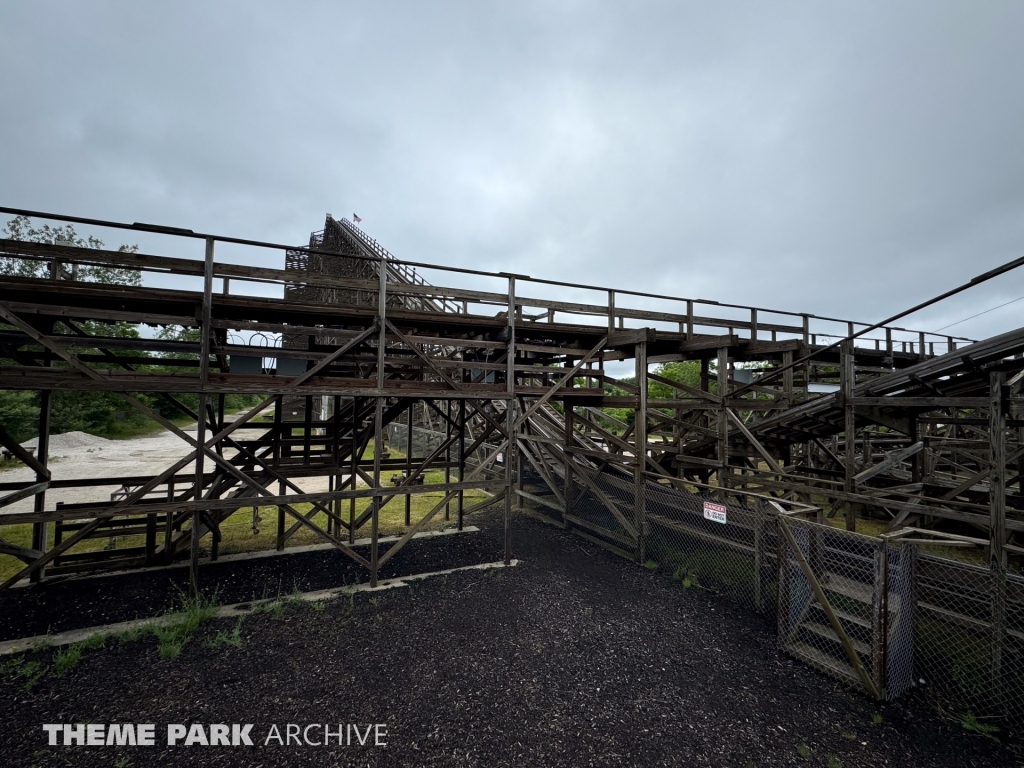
x=846, y=605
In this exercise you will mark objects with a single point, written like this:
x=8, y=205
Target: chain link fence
x=969, y=641
x=713, y=542
x=878, y=614
x=846, y=605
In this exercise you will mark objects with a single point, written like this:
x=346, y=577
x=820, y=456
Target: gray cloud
x=843, y=159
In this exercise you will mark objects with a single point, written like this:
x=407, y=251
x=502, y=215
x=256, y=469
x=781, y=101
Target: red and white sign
x=714, y=512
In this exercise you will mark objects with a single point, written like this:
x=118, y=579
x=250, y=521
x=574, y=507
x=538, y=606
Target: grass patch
x=9, y=463
x=970, y=723
x=223, y=639
x=180, y=624
x=133, y=634
x=238, y=531
x=685, y=578
x=66, y=659
x=29, y=671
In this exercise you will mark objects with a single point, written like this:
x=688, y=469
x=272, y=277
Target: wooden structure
x=914, y=428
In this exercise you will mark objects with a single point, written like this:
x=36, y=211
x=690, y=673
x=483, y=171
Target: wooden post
x=307, y=428
x=39, y=533
x=723, y=419
x=336, y=451
x=462, y=458
x=997, y=479
x=787, y=377
x=879, y=612
x=759, y=517
x=846, y=383
x=378, y=419
x=785, y=573
x=447, y=453
x=804, y=350
x=510, y=422
x=569, y=491
x=408, y=464
x=353, y=465
x=640, y=440
x=997, y=533
x=204, y=376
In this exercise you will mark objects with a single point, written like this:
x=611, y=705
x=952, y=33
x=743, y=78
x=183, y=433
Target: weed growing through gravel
x=30, y=671
x=804, y=751
x=66, y=659
x=133, y=634
x=970, y=723
x=876, y=719
x=232, y=639
x=833, y=762
x=686, y=578
x=63, y=661
x=273, y=608
x=179, y=625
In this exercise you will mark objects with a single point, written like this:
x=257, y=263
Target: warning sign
x=715, y=512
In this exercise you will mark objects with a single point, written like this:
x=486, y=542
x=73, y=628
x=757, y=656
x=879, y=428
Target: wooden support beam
x=754, y=442
x=847, y=381
x=892, y=459
x=31, y=490
x=640, y=452
x=561, y=382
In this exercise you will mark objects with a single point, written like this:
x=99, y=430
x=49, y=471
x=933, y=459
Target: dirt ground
x=572, y=658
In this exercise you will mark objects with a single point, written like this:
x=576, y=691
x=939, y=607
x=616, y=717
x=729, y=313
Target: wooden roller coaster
x=508, y=376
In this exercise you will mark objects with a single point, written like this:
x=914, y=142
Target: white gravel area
x=79, y=455
x=69, y=441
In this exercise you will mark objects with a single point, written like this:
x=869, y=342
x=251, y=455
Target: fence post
x=999, y=698
x=723, y=419
x=759, y=516
x=568, y=492
x=997, y=532
x=879, y=615
x=782, y=598
x=847, y=380
x=640, y=439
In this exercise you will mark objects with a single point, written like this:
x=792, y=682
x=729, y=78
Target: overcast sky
x=837, y=158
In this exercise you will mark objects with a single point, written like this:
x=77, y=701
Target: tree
x=87, y=411
x=20, y=228
x=685, y=372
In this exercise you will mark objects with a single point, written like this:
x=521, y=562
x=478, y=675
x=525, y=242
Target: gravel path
x=573, y=658
x=43, y=608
